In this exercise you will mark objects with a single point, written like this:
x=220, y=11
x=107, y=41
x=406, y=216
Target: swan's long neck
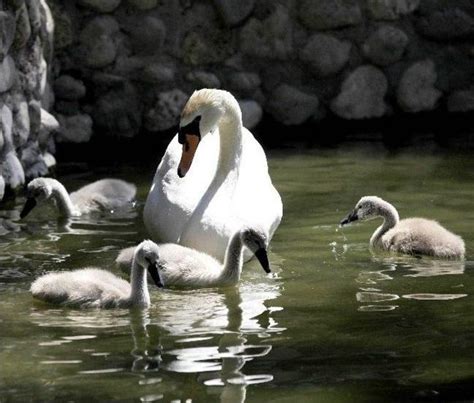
x=139, y=295
x=390, y=219
x=233, y=260
x=61, y=196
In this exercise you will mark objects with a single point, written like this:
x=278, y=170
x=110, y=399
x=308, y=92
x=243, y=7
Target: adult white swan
x=212, y=179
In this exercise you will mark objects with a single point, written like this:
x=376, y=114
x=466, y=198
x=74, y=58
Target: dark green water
x=333, y=323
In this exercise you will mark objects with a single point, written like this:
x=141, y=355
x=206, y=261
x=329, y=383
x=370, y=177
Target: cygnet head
x=367, y=207
x=147, y=256
x=200, y=116
x=257, y=241
x=37, y=191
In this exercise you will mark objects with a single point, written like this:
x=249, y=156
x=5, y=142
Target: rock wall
x=26, y=46
x=127, y=66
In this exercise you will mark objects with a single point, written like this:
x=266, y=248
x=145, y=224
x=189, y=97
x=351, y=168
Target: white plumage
x=223, y=179
x=96, y=288
x=411, y=236
x=185, y=267
x=102, y=195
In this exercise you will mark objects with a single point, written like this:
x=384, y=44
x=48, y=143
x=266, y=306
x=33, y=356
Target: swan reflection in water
x=207, y=332
x=372, y=297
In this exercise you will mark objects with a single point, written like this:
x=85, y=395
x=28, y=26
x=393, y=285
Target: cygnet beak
x=350, y=218
x=262, y=257
x=29, y=205
x=155, y=274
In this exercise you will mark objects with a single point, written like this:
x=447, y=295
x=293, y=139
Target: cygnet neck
x=390, y=219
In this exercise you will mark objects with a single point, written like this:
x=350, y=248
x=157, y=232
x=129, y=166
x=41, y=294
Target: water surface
x=333, y=322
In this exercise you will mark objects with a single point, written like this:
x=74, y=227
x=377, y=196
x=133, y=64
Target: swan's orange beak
x=190, y=144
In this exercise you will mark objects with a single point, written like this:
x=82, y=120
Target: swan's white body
x=227, y=185
x=96, y=288
x=414, y=236
x=181, y=266
x=102, y=195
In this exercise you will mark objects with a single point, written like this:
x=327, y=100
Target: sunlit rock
x=385, y=46
x=325, y=54
x=362, y=94
x=416, y=91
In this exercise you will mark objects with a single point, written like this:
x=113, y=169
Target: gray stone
x=329, y=14
x=251, y=112
x=270, y=38
x=49, y=160
x=166, y=111
x=102, y=6
x=233, y=12
x=7, y=33
x=118, y=112
x=461, y=101
x=416, y=91
x=68, y=108
x=148, y=35
x=451, y=23
x=13, y=170
x=157, y=73
x=325, y=54
x=386, y=45
x=74, y=129
x=34, y=111
x=23, y=28
x=47, y=31
x=21, y=121
x=7, y=125
x=32, y=161
x=2, y=187
x=362, y=94
x=8, y=74
x=203, y=79
x=143, y=4
x=34, y=12
x=291, y=106
x=69, y=88
x=49, y=125
x=244, y=83
x=206, y=46
x=391, y=9
x=98, y=41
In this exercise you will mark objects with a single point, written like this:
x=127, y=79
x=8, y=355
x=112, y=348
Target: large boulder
x=416, y=90
x=385, y=46
x=233, y=12
x=166, y=111
x=7, y=32
x=98, y=39
x=290, y=106
x=74, y=129
x=391, y=9
x=362, y=94
x=325, y=54
x=270, y=38
x=148, y=36
x=329, y=14
x=8, y=74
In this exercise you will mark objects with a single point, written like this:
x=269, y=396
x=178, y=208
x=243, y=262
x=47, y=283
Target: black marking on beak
x=180, y=173
x=262, y=257
x=154, y=271
x=190, y=129
x=29, y=205
x=350, y=218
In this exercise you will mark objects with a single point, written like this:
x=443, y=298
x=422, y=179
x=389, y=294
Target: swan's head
x=367, y=207
x=257, y=241
x=147, y=256
x=37, y=191
x=200, y=116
